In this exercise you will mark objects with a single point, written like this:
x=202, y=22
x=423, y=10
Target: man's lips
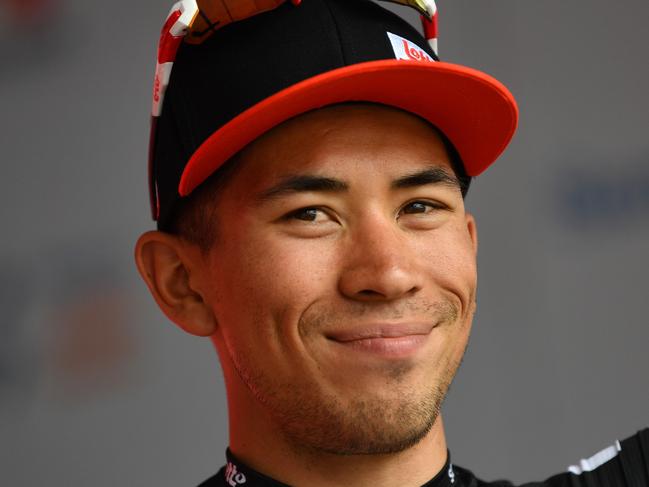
x=390, y=340
x=381, y=330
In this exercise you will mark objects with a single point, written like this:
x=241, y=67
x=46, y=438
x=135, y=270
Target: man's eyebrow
x=308, y=183
x=432, y=175
x=301, y=184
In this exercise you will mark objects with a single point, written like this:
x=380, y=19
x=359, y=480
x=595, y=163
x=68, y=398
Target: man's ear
x=165, y=263
x=472, y=228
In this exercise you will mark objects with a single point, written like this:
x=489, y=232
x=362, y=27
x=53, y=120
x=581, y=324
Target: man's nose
x=381, y=263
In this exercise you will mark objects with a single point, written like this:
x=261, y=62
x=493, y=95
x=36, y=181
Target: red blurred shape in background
x=30, y=12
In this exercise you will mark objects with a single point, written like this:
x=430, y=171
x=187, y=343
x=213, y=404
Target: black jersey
x=625, y=464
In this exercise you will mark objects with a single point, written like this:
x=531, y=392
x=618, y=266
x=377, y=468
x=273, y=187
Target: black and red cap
x=254, y=74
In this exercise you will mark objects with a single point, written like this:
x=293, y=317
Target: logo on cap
x=407, y=50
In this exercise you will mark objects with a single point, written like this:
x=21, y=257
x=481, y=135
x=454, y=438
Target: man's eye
x=422, y=207
x=305, y=214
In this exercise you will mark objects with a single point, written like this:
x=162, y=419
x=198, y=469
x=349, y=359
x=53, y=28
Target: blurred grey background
x=97, y=388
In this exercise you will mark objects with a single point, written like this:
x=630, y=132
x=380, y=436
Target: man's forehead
x=345, y=140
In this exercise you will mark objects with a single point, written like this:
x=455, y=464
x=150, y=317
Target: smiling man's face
x=343, y=279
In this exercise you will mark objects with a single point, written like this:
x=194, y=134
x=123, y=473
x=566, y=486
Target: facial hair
x=366, y=423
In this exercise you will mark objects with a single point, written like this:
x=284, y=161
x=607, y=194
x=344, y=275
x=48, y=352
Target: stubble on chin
x=363, y=426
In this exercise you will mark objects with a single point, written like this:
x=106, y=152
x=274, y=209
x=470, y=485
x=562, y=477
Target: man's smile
x=386, y=340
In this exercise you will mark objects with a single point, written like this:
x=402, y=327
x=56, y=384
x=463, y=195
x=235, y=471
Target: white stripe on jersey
x=598, y=459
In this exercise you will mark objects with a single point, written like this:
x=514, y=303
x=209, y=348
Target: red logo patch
x=415, y=53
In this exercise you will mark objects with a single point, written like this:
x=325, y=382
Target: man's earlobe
x=165, y=263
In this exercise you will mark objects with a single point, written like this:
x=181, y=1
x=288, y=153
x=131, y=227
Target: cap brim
x=475, y=111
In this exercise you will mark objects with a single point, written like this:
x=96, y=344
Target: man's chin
x=364, y=427
x=384, y=445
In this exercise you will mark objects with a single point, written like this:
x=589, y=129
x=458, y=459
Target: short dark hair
x=193, y=218
x=456, y=162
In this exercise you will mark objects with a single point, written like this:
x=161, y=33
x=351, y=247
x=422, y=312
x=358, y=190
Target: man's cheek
x=453, y=269
x=301, y=264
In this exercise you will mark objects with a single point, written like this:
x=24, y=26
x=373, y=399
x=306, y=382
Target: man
x=308, y=168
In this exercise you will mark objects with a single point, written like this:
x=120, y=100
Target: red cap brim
x=475, y=111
